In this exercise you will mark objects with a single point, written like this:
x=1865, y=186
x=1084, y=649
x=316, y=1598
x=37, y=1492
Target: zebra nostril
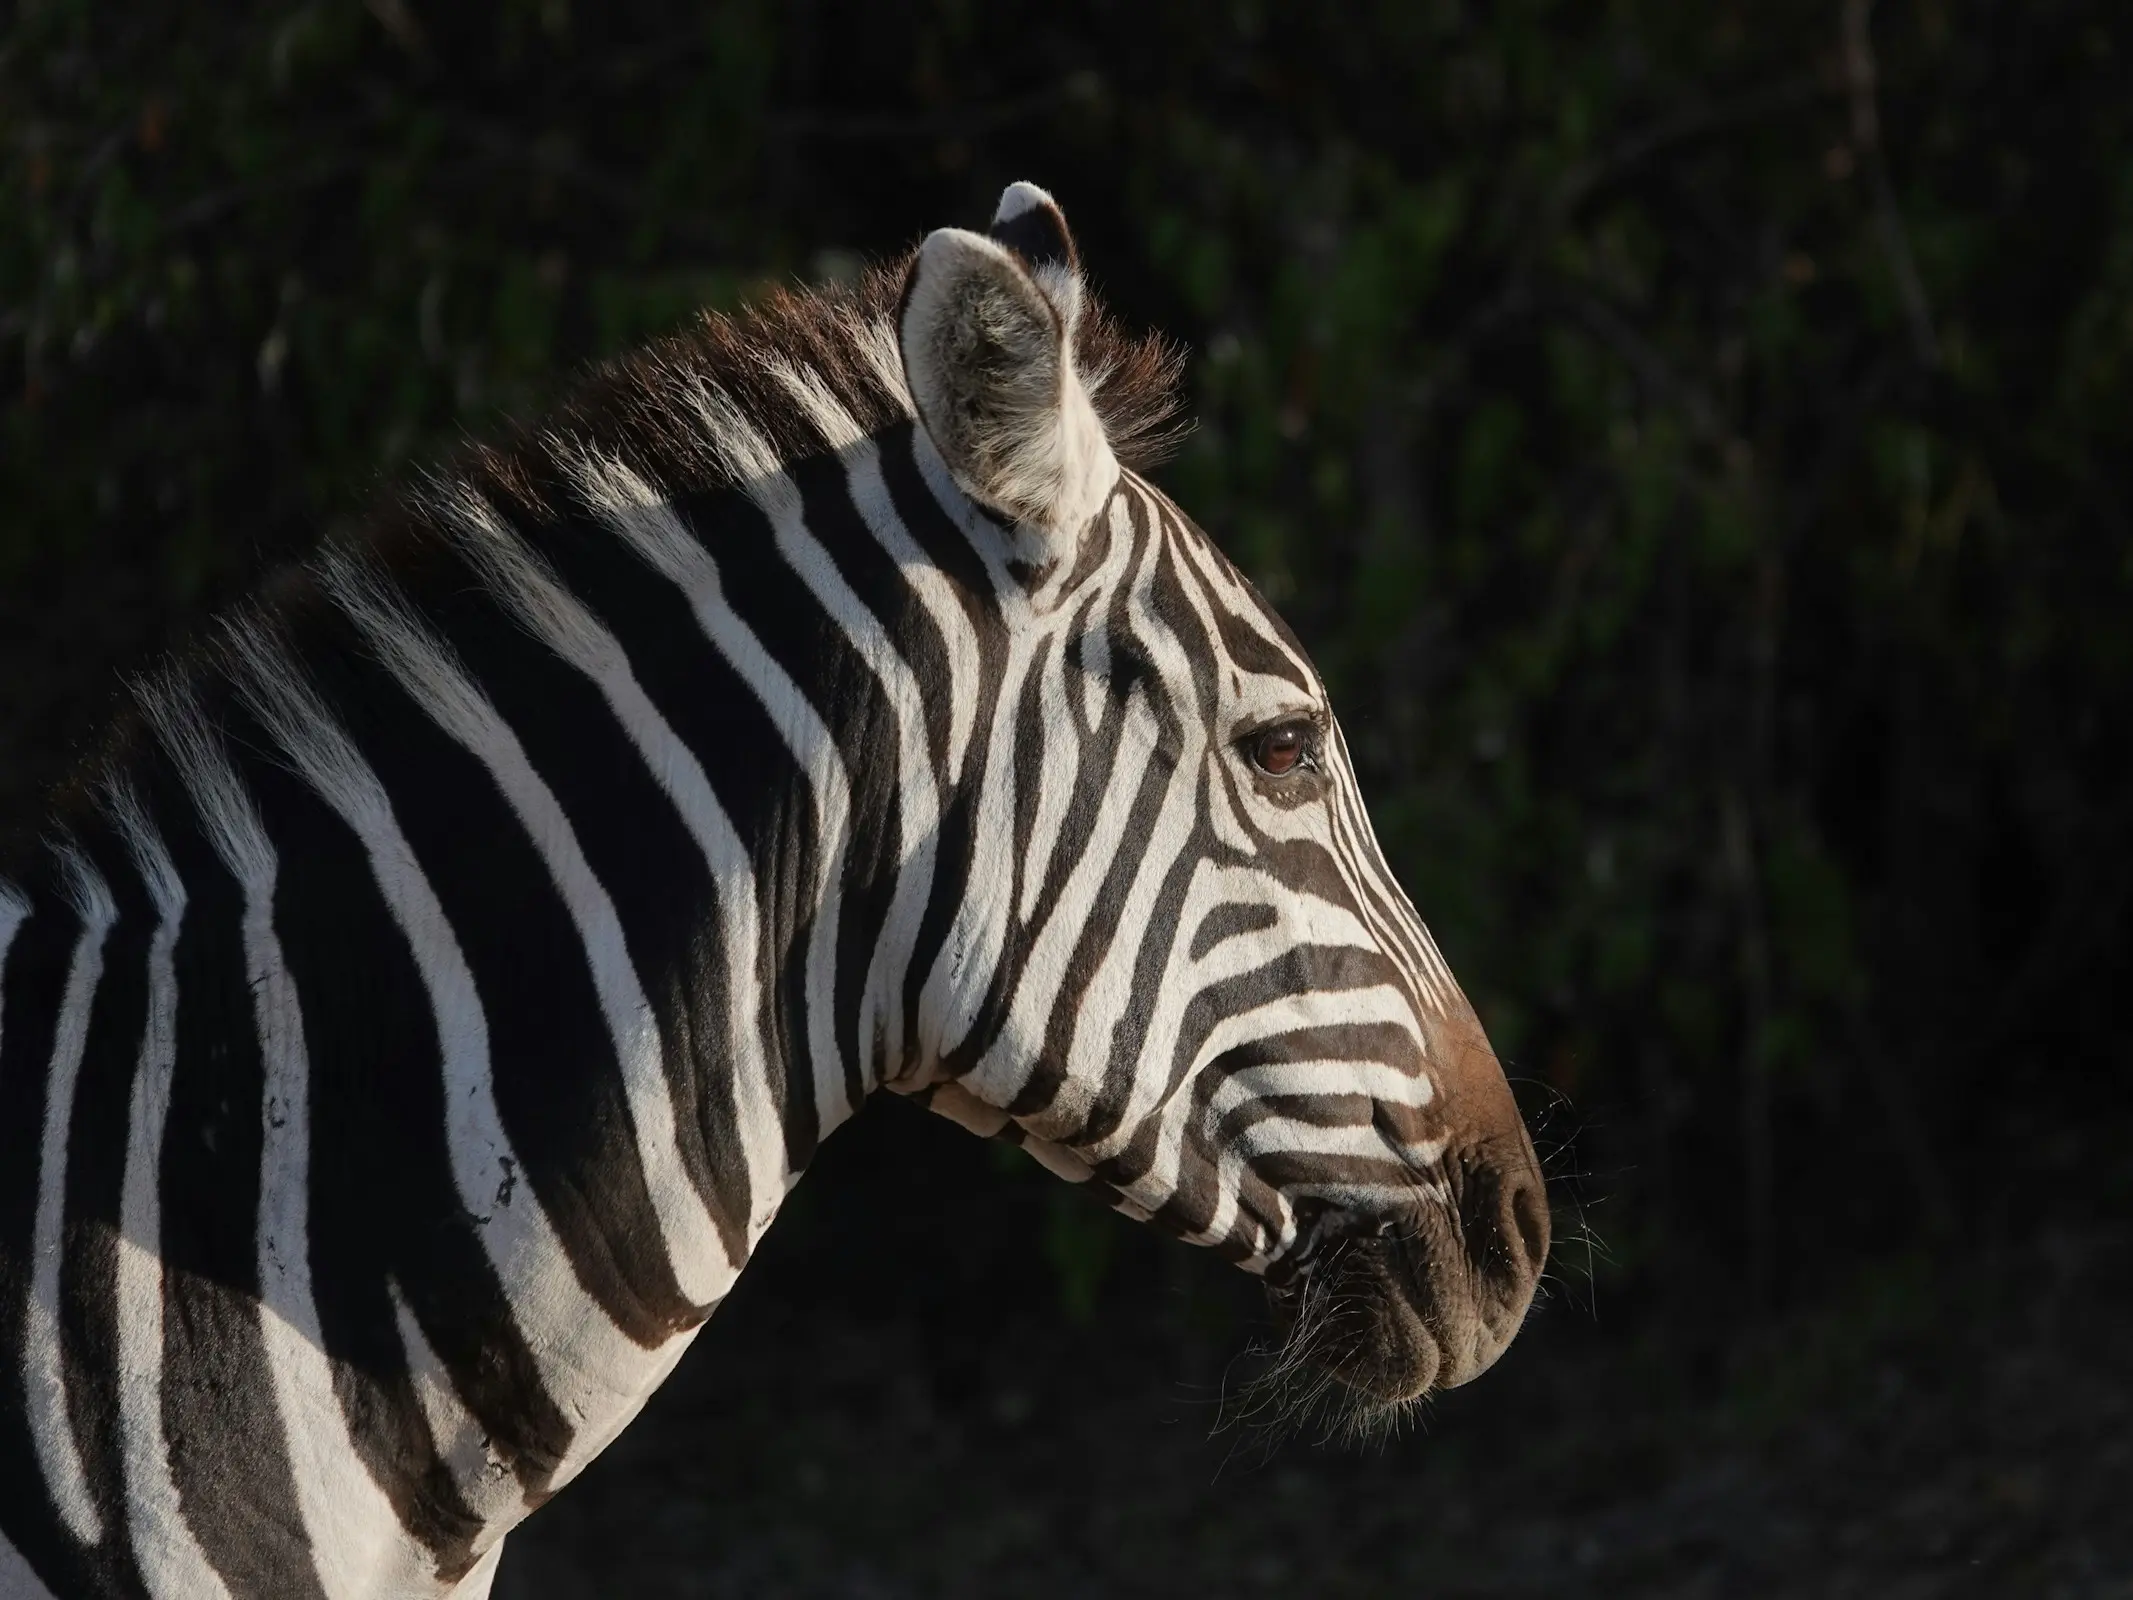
x=1505, y=1218
x=1530, y=1222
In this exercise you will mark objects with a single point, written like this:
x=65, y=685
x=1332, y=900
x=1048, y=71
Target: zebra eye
x=1277, y=752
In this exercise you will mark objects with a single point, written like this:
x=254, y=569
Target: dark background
x=1694, y=440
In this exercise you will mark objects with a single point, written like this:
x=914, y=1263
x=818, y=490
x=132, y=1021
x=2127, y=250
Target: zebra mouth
x=1394, y=1306
x=1358, y=1306
x=1425, y=1296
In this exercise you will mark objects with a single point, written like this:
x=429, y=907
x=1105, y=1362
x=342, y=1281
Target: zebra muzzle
x=1426, y=1297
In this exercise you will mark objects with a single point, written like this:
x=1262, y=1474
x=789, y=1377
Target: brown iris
x=1277, y=751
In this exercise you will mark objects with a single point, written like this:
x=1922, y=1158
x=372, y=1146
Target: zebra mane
x=800, y=368
x=794, y=374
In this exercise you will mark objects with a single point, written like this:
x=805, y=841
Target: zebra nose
x=1518, y=1230
x=1507, y=1230
x=1504, y=1227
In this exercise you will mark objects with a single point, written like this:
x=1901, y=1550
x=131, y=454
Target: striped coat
x=434, y=988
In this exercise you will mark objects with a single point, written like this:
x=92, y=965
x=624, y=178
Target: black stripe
x=856, y=708
x=1037, y=761
x=1155, y=924
x=1301, y=969
x=1112, y=914
x=946, y=546
x=552, y=1060
x=1232, y=919
x=227, y=1454
x=96, y=1166
x=1103, y=927
x=886, y=590
x=1240, y=643
x=382, y=1199
x=710, y=709
x=34, y=978
x=1124, y=674
x=1373, y=1042
x=637, y=845
x=953, y=556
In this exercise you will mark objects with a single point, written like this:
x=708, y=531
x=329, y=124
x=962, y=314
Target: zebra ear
x=989, y=355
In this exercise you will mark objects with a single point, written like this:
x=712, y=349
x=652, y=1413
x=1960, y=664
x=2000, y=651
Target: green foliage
x=1711, y=520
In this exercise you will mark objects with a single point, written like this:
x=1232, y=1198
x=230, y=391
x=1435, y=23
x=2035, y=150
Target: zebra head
x=1180, y=968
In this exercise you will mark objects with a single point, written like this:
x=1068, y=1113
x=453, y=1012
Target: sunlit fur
x=435, y=989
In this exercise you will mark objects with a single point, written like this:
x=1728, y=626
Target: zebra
x=422, y=1002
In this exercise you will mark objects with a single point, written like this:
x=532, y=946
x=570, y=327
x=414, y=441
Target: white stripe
x=14, y=911
x=636, y=513
x=484, y=1479
x=1217, y=591
x=605, y=1429
x=928, y=584
x=173, y=1566
x=424, y=667
x=1062, y=770
x=1110, y=988
x=1223, y=810
x=1378, y=895
x=758, y=470
x=880, y=1033
x=354, y=1535
x=1218, y=574
x=44, y=1380
x=588, y=1364
x=17, y=1580
x=1187, y=1126
x=1052, y=660
x=559, y=620
x=960, y=985
x=1376, y=1081
x=999, y=548
x=1006, y=1065
x=481, y=1577
x=1360, y=1140
x=1301, y=920
x=935, y=593
x=889, y=969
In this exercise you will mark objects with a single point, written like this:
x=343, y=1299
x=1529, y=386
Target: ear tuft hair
x=989, y=357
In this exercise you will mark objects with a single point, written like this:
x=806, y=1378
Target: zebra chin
x=1398, y=1306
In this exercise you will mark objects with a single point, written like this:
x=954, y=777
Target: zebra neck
x=482, y=949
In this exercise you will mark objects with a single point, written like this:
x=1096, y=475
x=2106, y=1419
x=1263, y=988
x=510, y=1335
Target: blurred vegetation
x=1694, y=440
